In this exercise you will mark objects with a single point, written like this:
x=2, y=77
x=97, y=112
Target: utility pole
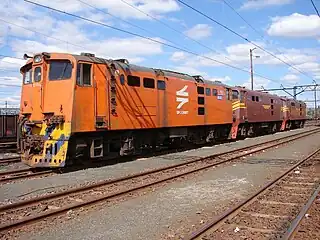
x=6, y=105
x=315, y=103
x=251, y=65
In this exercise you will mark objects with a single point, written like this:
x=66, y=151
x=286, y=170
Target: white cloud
x=199, y=31
x=11, y=63
x=258, y=83
x=152, y=7
x=192, y=71
x=224, y=79
x=295, y=25
x=308, y=67
x=132, y=48
x=290, y=78
x=238, y=55
x=179, y=56
x=258, y=4
x=12, y=101
x=9, y=80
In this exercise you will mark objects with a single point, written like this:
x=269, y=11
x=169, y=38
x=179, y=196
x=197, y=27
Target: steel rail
x=40, y=216
x=297, y=221
x=111, y=181
x=301, y=134
x=7, y=143
x=10, y=160
x=15, y=171
x=25, y=174
x=244, y=203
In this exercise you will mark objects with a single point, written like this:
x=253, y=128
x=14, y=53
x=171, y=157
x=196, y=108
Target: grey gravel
x=154, y=215
x=32, y=187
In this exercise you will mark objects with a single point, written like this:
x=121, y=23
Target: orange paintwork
x=99, y=97
x=137, y=107
x=48, y=96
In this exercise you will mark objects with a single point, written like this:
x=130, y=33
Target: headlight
x=37, y=58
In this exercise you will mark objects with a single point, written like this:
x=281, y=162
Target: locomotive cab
x=45, y=109
x=239, y=111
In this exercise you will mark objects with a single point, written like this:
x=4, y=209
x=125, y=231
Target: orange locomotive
x=76, y=107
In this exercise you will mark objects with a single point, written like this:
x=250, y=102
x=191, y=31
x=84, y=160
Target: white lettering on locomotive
x=182, y=98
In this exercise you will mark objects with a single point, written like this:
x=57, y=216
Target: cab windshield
x=60, y=70
x=235, y=95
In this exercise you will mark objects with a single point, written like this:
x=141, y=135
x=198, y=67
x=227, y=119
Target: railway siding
x=34, y=187
x=269, y=215
x=309, y=227
x=160, y=214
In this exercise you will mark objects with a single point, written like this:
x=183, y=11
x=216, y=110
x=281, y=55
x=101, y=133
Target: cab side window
x=242, y=98
x=208, y=91
x=27, y=77
x=148, y=82
x=133, y=81
x=235, y=94
x=214, y=92
x=37, y=74
x=161, y=85
x=200, y=90
x=84, y=74
x=228, y=94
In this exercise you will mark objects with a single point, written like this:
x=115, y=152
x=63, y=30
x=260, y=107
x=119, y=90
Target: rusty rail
x=20, y=174
x=220, y=219
x=296, y=222
x=7, y=143
x=10, y=160
x=256, y=148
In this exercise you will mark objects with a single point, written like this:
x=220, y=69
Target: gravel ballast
x=33, y=187
x=178, y=208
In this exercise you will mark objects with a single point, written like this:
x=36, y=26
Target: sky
x=176, y=38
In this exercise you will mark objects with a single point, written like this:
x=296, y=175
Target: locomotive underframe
x=252, y=129
x=85, y=147
x=111, y=144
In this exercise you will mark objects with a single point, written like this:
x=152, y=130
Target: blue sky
x=290, y=30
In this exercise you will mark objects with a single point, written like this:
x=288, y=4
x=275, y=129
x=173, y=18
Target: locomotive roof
x=132, y=67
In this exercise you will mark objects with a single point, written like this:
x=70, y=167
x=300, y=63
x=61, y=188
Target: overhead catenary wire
x=173, y=29
x=40, y=33
x=5, y=61
x=253, y=28
x=315, y=8
x=239, y=35
x=147, y=38
x=1, y=55
x=127, y=22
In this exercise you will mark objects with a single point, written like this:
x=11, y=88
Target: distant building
x=9, y=111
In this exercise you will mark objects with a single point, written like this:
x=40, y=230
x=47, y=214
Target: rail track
x=19, y=214
x=4, y=161
x=273, y=211
x=9, y=176
x=306, y=224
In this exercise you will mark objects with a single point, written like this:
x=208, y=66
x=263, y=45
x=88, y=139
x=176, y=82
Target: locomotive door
x=38, y=90
x=243, y=106
x=285, y=114
x=102, y=87
x=84, y=99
